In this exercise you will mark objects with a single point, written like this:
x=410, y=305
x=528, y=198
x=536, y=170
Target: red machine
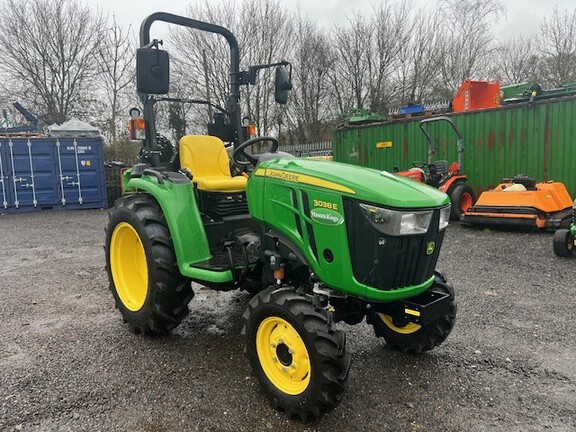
x=438, y=174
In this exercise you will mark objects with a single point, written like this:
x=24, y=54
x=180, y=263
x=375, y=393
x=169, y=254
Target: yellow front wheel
x=149, y=291
x=409, y=328
x=295, y=353
x=412, y=337
x=283, y=355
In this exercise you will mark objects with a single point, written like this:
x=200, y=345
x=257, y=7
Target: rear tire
x=563, y=243
x=148, y=289
x=412, y=337
x=462, y=198
x=295, y=353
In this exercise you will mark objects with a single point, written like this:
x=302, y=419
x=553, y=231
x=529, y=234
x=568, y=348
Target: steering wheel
x=421, y=165
x=250, y=158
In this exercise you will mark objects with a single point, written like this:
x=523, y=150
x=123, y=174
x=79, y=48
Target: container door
x=81, y=172
x=4, y=188
x=32, y=173
x=41, y=153
x=21, y=179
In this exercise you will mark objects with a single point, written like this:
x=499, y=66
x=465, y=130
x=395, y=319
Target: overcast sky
x=522, y=16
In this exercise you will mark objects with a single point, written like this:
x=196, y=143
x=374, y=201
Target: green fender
x=179, y=206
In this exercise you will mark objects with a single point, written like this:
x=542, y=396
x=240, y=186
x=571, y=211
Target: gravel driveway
x=68, y=363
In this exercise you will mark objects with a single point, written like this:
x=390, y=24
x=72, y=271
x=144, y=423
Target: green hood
x=362, y=183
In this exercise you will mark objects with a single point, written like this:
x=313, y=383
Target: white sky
x=522, y=17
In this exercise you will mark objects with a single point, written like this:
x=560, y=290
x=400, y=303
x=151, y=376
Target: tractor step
x=220, y=261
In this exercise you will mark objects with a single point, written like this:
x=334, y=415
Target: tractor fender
x=178, y=204
x=451, y=183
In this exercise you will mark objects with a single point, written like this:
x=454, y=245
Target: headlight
x=444, y=217
x=397, y=223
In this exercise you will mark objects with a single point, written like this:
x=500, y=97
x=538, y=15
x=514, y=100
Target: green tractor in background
x=314, y=242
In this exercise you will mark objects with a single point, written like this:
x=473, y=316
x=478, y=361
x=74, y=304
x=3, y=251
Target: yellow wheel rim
x=129, y=267
x=407, y=329
x=283, y=356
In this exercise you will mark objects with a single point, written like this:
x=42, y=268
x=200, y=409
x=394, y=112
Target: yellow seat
x=207, y=160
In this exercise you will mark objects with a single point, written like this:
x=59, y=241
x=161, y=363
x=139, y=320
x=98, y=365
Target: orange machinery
x=474, y=95
x=520, y=201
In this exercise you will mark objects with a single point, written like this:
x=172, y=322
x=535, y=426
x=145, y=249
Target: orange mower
x=520, y=201
x=438, y=174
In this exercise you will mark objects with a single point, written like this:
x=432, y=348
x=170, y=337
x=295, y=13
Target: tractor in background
x=439, y=174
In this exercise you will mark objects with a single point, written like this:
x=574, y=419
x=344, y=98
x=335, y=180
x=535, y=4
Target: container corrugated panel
x=538, y=141
x=51, y=173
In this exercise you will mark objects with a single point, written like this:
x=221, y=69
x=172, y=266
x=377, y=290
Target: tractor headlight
x=444, y=217
x=397, y=223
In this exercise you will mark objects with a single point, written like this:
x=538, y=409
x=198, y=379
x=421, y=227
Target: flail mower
x=314, y=242
x=522, y=202
x=439, y=174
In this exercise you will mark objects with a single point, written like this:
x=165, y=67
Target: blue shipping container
x=51, y=173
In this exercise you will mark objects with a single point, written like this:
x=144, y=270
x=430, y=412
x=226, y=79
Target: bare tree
x=117, y=70
x=263, y=29
x=418, y=60
x=353, y=48
x=390, y=24
x=467, y=40
x=516, y=61
x=310, y=110
x=557, y=45
x=49, y=54
x=369, y=51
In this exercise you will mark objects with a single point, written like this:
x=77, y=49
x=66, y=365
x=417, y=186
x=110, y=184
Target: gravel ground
x=68, y=363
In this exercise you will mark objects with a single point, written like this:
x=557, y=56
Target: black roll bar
x=431, y=151
x=235, y=75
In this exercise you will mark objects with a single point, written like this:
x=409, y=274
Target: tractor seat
x=441, y=166
x=207, y=160
x=528, y=182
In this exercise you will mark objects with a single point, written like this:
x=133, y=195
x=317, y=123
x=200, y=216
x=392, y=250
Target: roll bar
x=236, y=77
x=460, y=142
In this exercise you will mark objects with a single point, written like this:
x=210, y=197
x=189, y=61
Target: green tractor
x=314, y=242
x=564, y=243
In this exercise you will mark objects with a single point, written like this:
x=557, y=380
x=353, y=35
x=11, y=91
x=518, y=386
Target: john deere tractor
x=314, y=242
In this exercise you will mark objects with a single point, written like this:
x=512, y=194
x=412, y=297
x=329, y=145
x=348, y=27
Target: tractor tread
x=331, y=362
x=563, y=243
x=427, y=337
x=169, y=292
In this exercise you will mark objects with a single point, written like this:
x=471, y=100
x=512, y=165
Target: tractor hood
x=362, y=183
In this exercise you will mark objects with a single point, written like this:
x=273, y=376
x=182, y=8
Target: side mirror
x=152, y=71
x=282, y=85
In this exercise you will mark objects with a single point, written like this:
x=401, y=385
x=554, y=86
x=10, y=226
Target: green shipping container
x=538, y=141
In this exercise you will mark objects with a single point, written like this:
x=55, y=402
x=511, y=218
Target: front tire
x=148, y=289
x=462, y=198
x=563, y=243
x=412, y=337
x=294, y=352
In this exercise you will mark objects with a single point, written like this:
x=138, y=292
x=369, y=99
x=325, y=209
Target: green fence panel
x=537, y=140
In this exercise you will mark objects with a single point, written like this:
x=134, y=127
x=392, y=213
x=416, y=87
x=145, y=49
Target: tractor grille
x=387, y=262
